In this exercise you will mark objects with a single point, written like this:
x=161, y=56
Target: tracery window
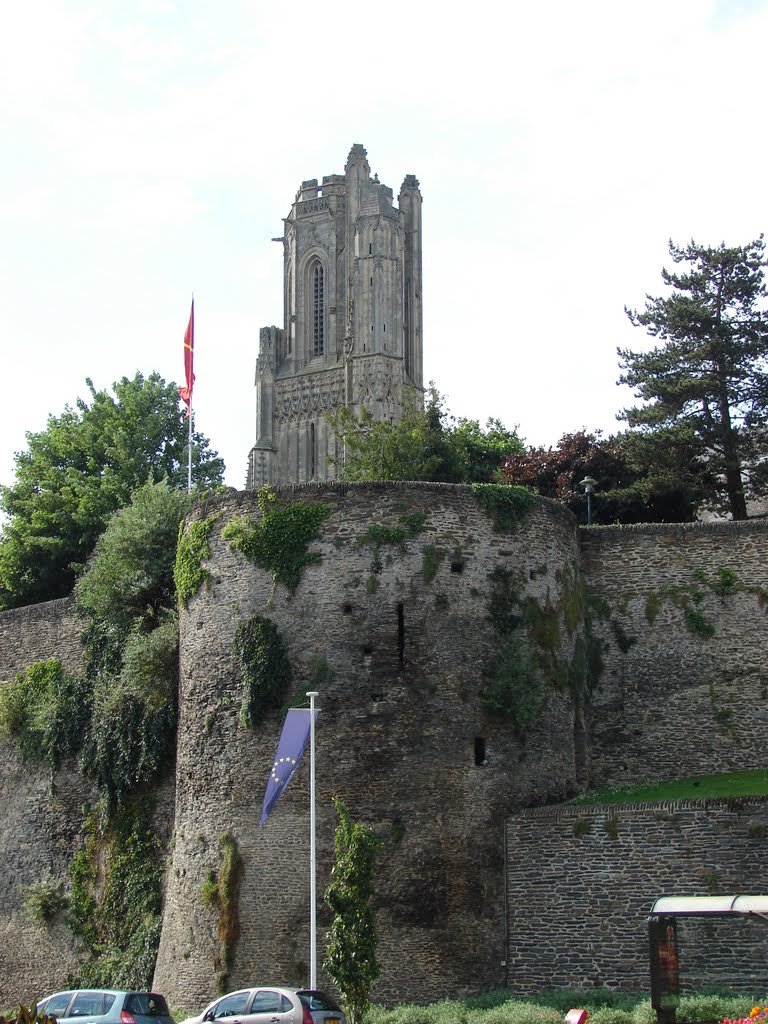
x=318, y=310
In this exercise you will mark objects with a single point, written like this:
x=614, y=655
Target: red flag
x=189, y=354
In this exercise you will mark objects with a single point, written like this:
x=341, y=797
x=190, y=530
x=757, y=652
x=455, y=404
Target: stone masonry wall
x=396, y=740
x=684, y=690
x=42, y=815
x=401, y=713
x=37, y=633
x=581, y=882
x=39, y=825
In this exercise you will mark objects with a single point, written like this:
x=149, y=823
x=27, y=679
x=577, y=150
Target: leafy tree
x=707, y=383
x=633, y=484
x=427, y=444
x=83, y=467
x=128, y=597
x=351, y=955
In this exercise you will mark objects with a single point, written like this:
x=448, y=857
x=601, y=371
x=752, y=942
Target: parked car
x=272, y=1006
x=106, y=1006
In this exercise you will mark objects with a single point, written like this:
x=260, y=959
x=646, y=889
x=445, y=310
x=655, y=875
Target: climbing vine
x=526, y=659
x=44, y=711
x=279, y=540
x=506, y=504
x=380, y=535
x=115, y=897
x=221, y=889
x=193, y=546
x=263, y=658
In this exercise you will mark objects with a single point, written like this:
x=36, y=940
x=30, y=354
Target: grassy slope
x=751, y=783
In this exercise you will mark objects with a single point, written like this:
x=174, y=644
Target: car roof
x=106, y=991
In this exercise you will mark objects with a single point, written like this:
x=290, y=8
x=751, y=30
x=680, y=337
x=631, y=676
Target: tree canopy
x=128, y=599
x=632, y=483
x=705, y=388
x=84, y=466
x=427, y=444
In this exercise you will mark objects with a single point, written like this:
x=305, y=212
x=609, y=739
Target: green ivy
x=431, y=558
x=380, y=535
x=228, y=896
x=513, y=687
x=193, y=546
x=409, y=525
x=506, y=504
x=515, y=682
x=115, y=898
x=44, y=710
x=279, y=539
x=263, y=657
x=322, y=674
x=132, y=733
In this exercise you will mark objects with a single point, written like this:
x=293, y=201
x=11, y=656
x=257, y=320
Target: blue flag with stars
x=293, y=742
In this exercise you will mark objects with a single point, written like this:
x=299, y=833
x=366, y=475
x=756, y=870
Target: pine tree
x=708, y=380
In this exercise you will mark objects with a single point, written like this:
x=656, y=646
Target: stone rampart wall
x=396, y=740
x=37, y=633
x=684, y=689
x=407, y=642
x=581, y=882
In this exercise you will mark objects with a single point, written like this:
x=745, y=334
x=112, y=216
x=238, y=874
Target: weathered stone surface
x=581, y=882
x=678, y=701
x=395, y=741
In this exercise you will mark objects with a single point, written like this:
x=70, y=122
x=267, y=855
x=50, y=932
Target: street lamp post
x=588, y=483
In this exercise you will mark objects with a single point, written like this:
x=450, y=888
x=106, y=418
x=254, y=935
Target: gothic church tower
x=352, y=332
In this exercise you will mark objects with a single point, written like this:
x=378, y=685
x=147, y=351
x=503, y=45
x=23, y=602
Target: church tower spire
x=352, y=332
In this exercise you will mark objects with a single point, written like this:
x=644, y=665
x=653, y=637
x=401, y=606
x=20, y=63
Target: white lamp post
x=588, y=483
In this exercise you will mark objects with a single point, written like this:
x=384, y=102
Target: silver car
x=106, y=1006
x=272, y=1006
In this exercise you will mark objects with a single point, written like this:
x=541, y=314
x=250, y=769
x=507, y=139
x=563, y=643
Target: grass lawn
x=751, y=783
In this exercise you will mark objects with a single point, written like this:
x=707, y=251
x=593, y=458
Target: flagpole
x=312, y=866
x=189, y=446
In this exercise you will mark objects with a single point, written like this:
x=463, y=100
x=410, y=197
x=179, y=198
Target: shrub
x=43, y=900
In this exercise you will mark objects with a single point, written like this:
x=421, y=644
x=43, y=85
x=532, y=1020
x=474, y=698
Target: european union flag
x=293, y=742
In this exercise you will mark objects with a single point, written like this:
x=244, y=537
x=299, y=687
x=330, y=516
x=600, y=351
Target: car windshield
x=317, y=1001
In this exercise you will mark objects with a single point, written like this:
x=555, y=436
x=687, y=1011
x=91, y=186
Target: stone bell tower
x=352, y=330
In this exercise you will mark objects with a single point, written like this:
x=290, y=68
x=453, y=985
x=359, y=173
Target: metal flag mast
x=189, y=446
x=312, y=865
x=291, y=745
x=191, y=389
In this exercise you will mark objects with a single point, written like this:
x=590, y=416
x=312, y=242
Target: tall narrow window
x=312, y=452
x=401, y=635
x=318, y=306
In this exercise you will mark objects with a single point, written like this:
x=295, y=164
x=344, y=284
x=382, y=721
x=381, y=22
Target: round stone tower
x=443, y=627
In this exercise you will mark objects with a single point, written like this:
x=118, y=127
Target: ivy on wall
x=263, y=657
x=506, y=504
x=44, y=710
x=193, y=546
x=115, y=898
x=389, y=535
x=279, y=540
x=529, y=649
x=221, y=890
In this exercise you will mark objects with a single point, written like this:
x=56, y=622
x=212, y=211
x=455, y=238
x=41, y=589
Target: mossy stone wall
x=684, y=690
x=404, y=654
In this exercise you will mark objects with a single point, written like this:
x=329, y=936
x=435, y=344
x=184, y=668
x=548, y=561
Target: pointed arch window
x=317, y=320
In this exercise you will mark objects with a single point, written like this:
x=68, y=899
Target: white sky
x=150, y=149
